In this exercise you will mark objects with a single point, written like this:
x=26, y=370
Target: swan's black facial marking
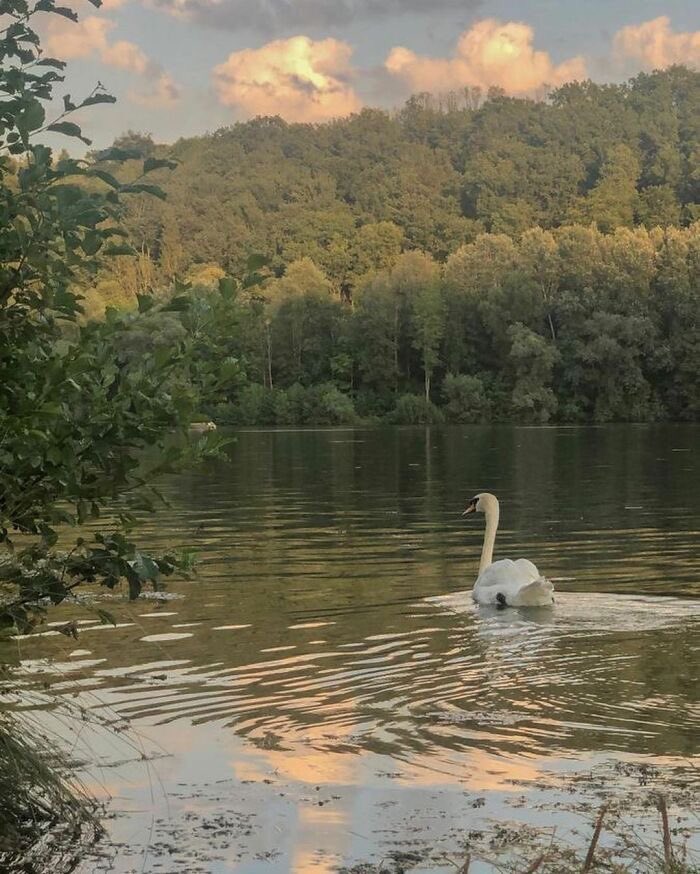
x=501, y=601
x=471, y=506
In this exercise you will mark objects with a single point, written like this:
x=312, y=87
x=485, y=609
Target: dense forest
x=467, y=257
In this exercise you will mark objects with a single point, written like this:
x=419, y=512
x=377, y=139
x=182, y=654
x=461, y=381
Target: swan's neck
x=492, y=512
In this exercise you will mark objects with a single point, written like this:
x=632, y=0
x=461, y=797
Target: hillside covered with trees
x=499, y=258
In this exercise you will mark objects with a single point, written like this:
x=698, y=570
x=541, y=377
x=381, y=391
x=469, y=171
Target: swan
x=505, y=583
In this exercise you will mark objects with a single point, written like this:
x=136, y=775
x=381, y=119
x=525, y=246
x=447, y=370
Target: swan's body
x=505, y=583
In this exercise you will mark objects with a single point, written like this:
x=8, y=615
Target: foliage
x=532, y=358
x=466, y=401
x=569, y=325
x=415, y=410
x=255, y=404
x=84, y=421
x=353, y=194
x=546, y=248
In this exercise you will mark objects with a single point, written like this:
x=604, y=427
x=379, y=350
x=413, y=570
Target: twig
x=668, y=847
x=465, y=868
x=594, y=840
x=536, y=864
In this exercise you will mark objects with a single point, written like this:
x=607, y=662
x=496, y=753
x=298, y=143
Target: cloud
x=488, y=53
x=89, y=37
x=68, y=40
x=298, y=78
x=162, y=91
x=654, y=44
x=271, y=16
x=127, y=56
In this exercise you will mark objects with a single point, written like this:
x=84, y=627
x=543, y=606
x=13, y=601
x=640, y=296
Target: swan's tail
x=538, y=593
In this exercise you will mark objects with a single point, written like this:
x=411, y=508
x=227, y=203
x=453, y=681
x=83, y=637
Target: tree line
x=471, y=257
x=432, y=176
x=568, y=325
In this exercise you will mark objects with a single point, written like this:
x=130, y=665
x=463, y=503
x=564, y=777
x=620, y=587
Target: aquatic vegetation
x=47, y=820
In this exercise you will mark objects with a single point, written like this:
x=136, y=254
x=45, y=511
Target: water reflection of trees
x=614, y=507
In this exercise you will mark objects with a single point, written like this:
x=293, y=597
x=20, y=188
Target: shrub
x=327, y=405
x=465, y=398
x=290, y=405
x=372, y=404
x=255, y=405
x=415, y=410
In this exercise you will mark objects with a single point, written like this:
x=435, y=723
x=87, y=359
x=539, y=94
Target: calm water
x=326, y=691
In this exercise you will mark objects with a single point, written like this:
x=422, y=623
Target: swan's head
x=481, y=503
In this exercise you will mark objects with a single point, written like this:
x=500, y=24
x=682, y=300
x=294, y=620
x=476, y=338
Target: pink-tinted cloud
x=69, y=40
x=90, y=38
x=127, y=56
x=656, y=45
x=298, y=78
x=490, y=53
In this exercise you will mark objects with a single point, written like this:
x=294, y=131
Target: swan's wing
x=508, y=573
x=527, y=569
x=518, y=583
x=499, y=573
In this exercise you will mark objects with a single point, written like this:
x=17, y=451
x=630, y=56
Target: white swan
x=505, y=583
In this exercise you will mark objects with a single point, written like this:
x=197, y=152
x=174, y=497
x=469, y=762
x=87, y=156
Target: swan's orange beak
x=471, y=508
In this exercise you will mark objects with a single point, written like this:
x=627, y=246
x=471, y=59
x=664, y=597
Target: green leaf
x=68, y=105
x=32, y=117
x=228, y=286
x=70, y=167
x=144, y=188
x=69, y=129
x=145, y=567
x=115, y=154
x=70, y=629
x=92, y=242
x=119, y=249
x=106, y=618
x=253, y=279
x=256, y=261
x=51, y=62
x=158, y=163
x=146, y=302
x=65, y=12
x=105, y=177
x=95, y=99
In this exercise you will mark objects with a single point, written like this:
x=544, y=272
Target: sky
x=186, y=67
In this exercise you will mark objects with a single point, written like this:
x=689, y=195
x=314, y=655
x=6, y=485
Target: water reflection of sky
x=329, y=641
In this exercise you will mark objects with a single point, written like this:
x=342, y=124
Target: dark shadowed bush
x=465, y=399
x=415, y=410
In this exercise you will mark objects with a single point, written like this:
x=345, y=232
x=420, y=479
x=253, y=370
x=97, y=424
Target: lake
x=323, y=692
